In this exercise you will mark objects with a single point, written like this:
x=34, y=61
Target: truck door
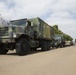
x=29, y=29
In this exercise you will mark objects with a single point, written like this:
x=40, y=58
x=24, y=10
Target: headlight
x=14, y=35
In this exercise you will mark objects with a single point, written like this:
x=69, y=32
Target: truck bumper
x=5, y=40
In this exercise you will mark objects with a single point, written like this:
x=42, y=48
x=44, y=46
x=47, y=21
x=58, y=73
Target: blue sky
x=60, y=12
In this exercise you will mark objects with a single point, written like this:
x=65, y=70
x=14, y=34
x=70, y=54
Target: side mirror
x=31, y=24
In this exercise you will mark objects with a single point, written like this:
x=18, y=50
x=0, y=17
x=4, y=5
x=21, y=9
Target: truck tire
x=3, y=50
x=22, y=47
x=43, y=45
x=48, y=45
x=34, y=49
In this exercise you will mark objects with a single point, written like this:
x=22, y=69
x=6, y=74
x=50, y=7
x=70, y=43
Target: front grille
x=3, y=31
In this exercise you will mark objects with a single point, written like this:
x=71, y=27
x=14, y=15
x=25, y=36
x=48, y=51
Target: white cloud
x=32, y=8
x=61, y=12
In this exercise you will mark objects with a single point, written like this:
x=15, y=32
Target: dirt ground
x=61, y=61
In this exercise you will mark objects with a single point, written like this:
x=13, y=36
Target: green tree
x=67, y=37
x=57, y=32
x=55, y=26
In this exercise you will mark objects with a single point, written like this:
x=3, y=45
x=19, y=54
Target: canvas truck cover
x=43, y=30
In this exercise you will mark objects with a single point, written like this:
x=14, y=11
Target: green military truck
x=59, y=41
x=24, y=35
x=69, y=43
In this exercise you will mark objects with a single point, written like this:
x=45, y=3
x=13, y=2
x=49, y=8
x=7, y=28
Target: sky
x=54, y=12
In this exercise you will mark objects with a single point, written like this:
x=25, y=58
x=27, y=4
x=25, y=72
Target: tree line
x=57, y=32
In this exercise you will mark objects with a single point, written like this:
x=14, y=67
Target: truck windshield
x=18, y=22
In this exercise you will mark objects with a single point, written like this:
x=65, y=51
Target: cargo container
x=42, y=28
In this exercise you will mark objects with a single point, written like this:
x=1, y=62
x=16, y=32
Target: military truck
x=69, y=43
x=58, y=41
x=24, y=35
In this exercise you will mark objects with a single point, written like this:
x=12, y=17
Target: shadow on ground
x=31, y=52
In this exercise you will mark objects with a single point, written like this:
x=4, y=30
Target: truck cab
x=15, y=35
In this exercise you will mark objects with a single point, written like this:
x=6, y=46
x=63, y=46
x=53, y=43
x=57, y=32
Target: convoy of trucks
x=24, y=35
